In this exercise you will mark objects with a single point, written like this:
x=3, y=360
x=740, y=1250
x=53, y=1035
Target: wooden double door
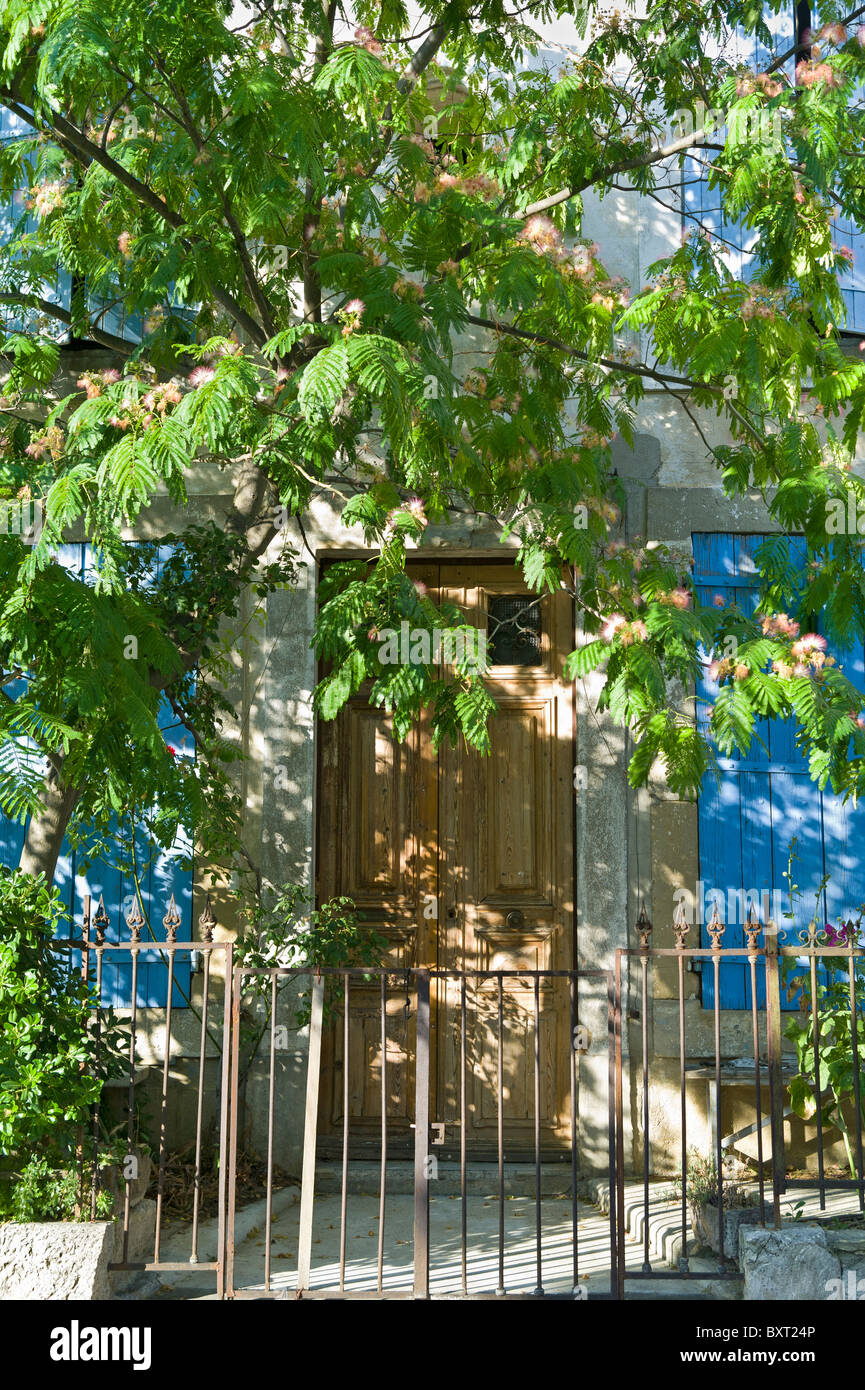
x=461, y=862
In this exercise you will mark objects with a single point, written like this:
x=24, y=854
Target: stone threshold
x=482, y=1179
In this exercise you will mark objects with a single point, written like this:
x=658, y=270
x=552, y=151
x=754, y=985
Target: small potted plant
x=741, y=1204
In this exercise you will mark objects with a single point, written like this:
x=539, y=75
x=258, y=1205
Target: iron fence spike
x=207, y=920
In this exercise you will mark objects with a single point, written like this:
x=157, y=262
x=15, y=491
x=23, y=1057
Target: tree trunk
x=45, y=832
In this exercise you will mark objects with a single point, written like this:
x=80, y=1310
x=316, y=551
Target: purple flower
x=840, y=936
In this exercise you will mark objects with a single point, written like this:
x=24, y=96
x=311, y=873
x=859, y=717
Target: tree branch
x=187, y=124
x=45, y=306
x=87, y=152
x=554, y=200
x=641, y=369
x=312, y=213
x=803, y=47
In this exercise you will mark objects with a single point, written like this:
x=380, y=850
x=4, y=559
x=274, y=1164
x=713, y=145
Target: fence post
x=310, y=1129
x=85, y=976
x=230, y=1106
x=776, y=1084
x=421, y=1138
x=227, y=1115
x=617, y=1193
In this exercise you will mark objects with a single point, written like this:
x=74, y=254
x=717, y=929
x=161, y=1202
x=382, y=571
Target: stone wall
x=802, y=1263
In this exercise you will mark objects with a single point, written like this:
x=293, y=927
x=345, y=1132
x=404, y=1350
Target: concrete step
x=664, y=1218
x=665, y=1245
x=482, y=1179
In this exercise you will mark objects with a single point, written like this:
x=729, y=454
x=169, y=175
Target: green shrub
x=46, y=1080
x=41, y=1193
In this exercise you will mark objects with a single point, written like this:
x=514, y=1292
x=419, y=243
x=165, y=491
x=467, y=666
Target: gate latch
x=438, y=1133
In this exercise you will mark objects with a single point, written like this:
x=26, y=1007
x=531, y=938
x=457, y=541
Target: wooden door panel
x=369, y=838
x=510, y=948
x=378, y=774
x=462, y=862
x=513, y=796
x=364, y=1069
x=507, y=872
x=378, y=831
x=378, y=845
x=517, y=1068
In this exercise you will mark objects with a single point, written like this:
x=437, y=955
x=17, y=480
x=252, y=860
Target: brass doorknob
x=515, y=918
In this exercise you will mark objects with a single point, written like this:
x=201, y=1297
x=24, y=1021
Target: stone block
x=704, y=1223
x=112, y=1180
x=791, y=1265
x=849, y=1246
x=55, y=1260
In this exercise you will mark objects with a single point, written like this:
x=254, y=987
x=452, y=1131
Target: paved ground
x=362, y=1223
x=362, y=1229
x=445, y=1275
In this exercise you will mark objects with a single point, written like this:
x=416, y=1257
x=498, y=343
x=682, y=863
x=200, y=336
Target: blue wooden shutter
x=163, y=875
x=764, y=800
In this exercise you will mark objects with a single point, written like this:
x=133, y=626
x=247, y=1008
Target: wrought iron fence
x=208, y=1042
x=819, y=968
x=649, y=1121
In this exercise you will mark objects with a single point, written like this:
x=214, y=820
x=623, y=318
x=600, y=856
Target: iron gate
x=380, y=1283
